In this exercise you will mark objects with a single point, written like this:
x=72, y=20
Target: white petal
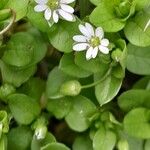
x=84, y=31
x=55, y=16
x=67, y=8
x=65, y=15
x=48, y=14
x=104, y=49
x=89, y=53
x=79, y=38
x=67, y=1
x=80, y=46
x=41, y=1
x=89, y=28
x=40, y=8
x=94, y=52
x=104, y=42
x=99, y=32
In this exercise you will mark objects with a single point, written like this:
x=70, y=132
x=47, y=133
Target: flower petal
x=89, y=28
x=67, y=8
x=41, y=1
x=84, y=31
x=40, y=8
x=94, y=52
x=99, y=32
x=55, y=16
x=66, y=1
x=80, y=46
x=89, y=53
x=79, y=38
x=65, y=15
x=104, y=42
x=48, y=14
x=103, y=49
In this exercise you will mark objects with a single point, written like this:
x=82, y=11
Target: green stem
x=10, y=23
x=97, y=82
x=84, y=7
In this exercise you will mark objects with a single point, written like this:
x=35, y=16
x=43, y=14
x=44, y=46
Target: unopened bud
x=70, y=88
x=116, y=55
x=6, y=90
x=41, y=132
x=123, y=144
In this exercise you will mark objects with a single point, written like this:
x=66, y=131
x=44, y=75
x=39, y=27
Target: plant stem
x=10, y=23
x=97, y=82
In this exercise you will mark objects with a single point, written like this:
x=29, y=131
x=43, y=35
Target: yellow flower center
x=94, y=41
x=53, y=4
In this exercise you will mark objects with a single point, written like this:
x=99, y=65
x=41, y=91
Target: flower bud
x=40, y=132
x=4, y=122
x=70, y=88
x=123, y=145
x=6, y=90
x=116, y=55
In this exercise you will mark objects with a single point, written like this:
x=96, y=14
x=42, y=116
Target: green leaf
x=142, y=4
x=138, y=60
x=37, y=144
x=55, y=79
x=20, y=7
x=104, y=139
x=133, y=99
x=82, y=109
x=3, y=3
x=82, y=143
x=134, y=143
x=93, y=65
x=39, y=46
x=106, y=90
x=34, y=88
x=104, y=16
x=59, y=107
x=15, y=75
x=64, y=31
x=95, y=2
x=37, y=19
x=19, y=50
x=136, y=123
x=135, y=30
x=142, y=83
x=147, y=145
x=25, y=49
x=19, y=138
x=68, y=66
x=55, y=146
x=20, y=106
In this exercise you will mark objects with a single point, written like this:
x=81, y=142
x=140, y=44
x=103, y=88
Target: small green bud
x=4, y=122
x=6, y=90
x=123, y=144
x=116, y=55
x=41, y=132
x=70, y=88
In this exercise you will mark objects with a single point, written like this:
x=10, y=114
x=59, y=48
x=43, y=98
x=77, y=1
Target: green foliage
x=79, y=75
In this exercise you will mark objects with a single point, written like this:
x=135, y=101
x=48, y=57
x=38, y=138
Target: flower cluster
x=55, y=9
x=91, y=40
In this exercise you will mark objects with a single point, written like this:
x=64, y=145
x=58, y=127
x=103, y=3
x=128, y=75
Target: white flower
x=92, y=40
x=54, y=9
